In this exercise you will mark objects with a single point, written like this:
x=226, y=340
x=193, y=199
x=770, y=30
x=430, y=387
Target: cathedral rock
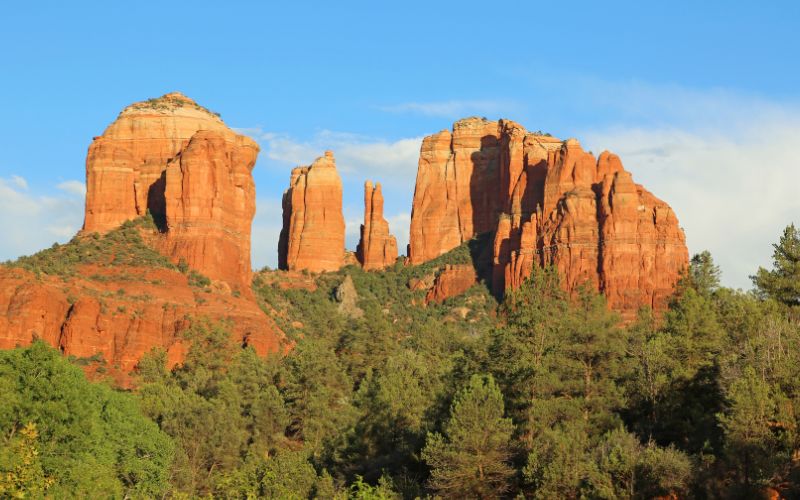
x=312, y=237
x=549, y=203
x=377, y=248
x=177, y=160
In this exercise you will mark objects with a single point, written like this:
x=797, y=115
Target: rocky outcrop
x=549, y=203
x=312, y=237
x=464, y=181
x=377, y=248
x=347, y=297
x=118, y=313
x=210, y=204
x=177, y=160
x=453, y=280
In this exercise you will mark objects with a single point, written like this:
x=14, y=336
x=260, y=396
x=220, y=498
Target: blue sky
x=701, y=101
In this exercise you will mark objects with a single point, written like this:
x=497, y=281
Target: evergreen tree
x=704, y=273
x=471, y=458
x=760, y=429
x=782, y=283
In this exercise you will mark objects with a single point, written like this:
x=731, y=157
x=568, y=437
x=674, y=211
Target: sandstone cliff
x=177, y=160
x=118, y=313
x=549, y=203
x=377, y=248
x=312, y=237
x=109, y=294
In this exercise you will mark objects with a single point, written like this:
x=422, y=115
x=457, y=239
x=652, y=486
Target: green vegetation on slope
x=65, y=437
x=545, y=396
x=123, y=246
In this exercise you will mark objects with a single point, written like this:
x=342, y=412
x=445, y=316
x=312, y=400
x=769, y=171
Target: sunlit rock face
x=312, y=237
x=549, y=203
x=377, y=248
x=179, y=161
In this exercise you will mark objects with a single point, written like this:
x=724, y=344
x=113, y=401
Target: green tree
x=92, y=440
x=520, y=352
x=759, y=427
x=704, y=273
x=21, y=473
x=471, y=458
x=220, y=406
x=782, y=283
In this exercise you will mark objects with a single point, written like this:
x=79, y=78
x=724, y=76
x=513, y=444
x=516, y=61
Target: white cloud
x=450, y=109
x=76, y=188
x=356, y=155
x=733, y=186
x=30, y=222
x=399, y=225
x=266, y=231
x=19, y=182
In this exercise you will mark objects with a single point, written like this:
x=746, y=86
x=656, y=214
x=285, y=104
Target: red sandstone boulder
x=312, y=237
x=377, y=248
x=176, y=159
x=452, y=281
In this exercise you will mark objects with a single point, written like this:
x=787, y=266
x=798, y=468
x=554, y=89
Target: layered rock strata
x=116, y=314
x=177, y=160
x=377, y=248
x=312, y=237
x=549, y=203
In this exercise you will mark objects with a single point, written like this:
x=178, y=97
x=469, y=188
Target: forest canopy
x=541, y=395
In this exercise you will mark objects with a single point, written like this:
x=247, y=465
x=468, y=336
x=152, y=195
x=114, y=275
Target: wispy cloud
x=729, y=165
x=76, y=188
x=30, y=221
x=451, y=109
x=266, y=231
x=19, y=182
x=357, y=155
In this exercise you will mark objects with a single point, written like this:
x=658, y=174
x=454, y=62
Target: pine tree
x=704, y=273
x=471, y=459
x=783, y=282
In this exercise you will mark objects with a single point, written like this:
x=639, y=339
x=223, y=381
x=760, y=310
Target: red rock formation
x=466, y=178
x=549, y=203
x=312, y=237
x=452, y=281
x=121, y=313
x=210, y=204
x=377, y=248
x=182, y=163
x=451, y=203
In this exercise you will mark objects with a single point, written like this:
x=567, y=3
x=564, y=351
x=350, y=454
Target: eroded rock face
x=210, y=204
x=549, y=203
x=377, y=248
x=452, y=281
x=176, y=159
x=312, y=237
x=121, y=313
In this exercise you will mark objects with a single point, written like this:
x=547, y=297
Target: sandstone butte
x=312, y=237
x=180, y=162
x=377, y=248
x=177, y=160
x=549, y=203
